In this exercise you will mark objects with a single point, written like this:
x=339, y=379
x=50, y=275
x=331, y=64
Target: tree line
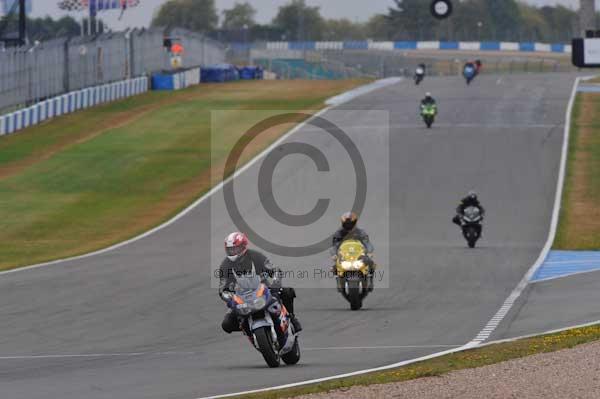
x=40, y=28
x=482, y=20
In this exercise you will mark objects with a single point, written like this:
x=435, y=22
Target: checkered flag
x=71, y=5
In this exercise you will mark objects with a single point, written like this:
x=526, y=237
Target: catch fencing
x=340, y=64
x=32, y=73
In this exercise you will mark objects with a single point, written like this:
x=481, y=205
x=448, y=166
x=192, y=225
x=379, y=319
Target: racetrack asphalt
x=143, y=321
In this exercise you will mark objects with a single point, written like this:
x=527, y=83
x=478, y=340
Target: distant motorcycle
x=469, y=72
x=471, y=225
x=352, y=273
x=428, y=113
x=419, y=75
x=265, y=321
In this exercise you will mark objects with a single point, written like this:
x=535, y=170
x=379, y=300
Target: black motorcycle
x=471, y=225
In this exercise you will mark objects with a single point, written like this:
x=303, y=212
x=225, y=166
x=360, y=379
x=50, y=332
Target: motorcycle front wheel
x=266, y=346
x=471, y=236
x=293, y=356
x=354, y=295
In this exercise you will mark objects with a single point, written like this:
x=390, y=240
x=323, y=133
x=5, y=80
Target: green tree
x=343, y=29
x=562, y=22
x=534, y=25
x=411, y=19
x=195, y=15
x=378, y=28
x=239, y=16
x=505, y=17
x=299, y=21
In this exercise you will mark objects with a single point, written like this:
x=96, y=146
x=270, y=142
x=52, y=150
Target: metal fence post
x=66, y=67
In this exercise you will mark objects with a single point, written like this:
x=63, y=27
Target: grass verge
x=471, y=358
x=93, y=178
x=579, y=224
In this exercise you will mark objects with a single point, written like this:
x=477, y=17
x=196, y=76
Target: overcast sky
x=356, y=10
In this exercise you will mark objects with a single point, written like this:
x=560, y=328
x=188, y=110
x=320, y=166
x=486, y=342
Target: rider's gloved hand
x=227, y=296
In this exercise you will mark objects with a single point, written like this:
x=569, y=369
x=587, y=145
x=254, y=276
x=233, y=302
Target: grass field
x=90, y=179
x=579, y=225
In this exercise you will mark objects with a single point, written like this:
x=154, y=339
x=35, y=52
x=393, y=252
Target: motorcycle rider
x=428, y=100
x=241, y=260
x=420, y=72
x=470, y=200
x=349, y=231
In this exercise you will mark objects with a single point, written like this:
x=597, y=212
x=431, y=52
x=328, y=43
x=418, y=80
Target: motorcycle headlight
x=243, y=309
x=346, y=265
x=260, y=303
x=352, y=265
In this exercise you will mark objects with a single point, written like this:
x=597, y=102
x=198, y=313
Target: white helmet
x=236, y=245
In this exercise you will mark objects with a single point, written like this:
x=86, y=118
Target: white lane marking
x=191, y=207
x=334, y=377
x=189, y=353
x=493, y=324
x=380, y=347
x=359, y=91
x=407, y=362
x=94, y=355
x=450, y=125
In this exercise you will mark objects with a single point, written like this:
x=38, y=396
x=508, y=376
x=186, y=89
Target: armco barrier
x=219, y=73
x=427, y=45
x=70, y=102
x=175, y=81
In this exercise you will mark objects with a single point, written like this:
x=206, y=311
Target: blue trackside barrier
x=356, y=45
x=301, y=45
x=405, y=45
x=489, y=46
x=163, y=81
x=448, y=45
x=527, y=47
x=415, y=45
x=250, y=73
x=176, y=80
x=70, y=102
x=219, y=73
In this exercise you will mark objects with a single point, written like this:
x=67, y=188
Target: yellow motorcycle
x=354, y=281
